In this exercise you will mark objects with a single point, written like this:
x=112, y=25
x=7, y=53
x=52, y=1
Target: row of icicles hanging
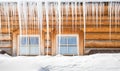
x=55, y=13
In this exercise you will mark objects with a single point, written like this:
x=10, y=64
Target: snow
x=60, y=0
x=96, y=62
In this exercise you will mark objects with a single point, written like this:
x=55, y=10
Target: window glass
x=68, y=45
x=63, y=50
x=33, y=40
x=72, y=40
x=29, y=45
x=72, y=49
x=63, y=40
x=23, y=41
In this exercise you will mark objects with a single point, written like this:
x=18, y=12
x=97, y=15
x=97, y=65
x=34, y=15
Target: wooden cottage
x=54, y=27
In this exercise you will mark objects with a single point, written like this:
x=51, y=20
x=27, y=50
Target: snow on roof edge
x=59, y=0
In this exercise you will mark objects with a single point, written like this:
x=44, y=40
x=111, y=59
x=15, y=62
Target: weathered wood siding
x=95, y=37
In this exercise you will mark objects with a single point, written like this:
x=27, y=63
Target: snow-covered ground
x=96, y=62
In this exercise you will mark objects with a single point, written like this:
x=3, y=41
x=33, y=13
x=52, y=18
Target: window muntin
x=33, y=40
x=25, y=40
x=72, y=40
x=29, y=45
x=63, y=40
x=68, y=44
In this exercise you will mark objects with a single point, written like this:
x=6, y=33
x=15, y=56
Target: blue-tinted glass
x=72, y=40
x=33, y=40
x=72, y=50
x=34, y=50
x=63, y=50
x=24, y=50
x=24, y=40
x=63, y=40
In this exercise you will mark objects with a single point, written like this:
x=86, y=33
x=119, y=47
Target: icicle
x=62, y=13
x=40, y=18
x=47, y=23
x=93, y=12
x=30, y=12
x=20, y=23
x=33, y=15
x=115, y=17
x=59, y=19
x=118, y=14
x=8, y=21
x=72, y=4
x=56, y=16
x=96, y=8
x=100, y=9
x=75, y=16
x=30, y=7
x=79, y=4
x=66, y=10
x=110, y=15
x=51, y=11
x=117, y=8
x=20, y=16
x=0, y=27
x=34, y=20
x=84, y=18
x=13, y=14
x=6, y=14
x=86, y=11
x=103, y=9
x=25, y=18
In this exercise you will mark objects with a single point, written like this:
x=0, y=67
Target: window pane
x=34, y=41
x=72, y=40
x=24, y=50
x=34, y=50
x=23, y=41
x=72, y=50
x=63, y=40
x=63, y=50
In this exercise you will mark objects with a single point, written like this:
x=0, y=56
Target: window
x=67, y=44
x=29, y=45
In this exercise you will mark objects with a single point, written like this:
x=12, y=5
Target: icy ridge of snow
x=95, y=62
x=60, y=0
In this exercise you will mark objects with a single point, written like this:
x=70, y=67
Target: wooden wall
x=96, y=36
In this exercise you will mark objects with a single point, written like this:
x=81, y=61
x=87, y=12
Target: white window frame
x=69, y=35
x=18, y=50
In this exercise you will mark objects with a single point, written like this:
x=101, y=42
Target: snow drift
x=96, y=62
